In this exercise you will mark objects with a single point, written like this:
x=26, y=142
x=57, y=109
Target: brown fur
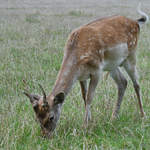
x=103, y=33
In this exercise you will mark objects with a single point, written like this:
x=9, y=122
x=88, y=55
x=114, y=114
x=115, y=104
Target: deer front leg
x=90, y=94
x=83, y=85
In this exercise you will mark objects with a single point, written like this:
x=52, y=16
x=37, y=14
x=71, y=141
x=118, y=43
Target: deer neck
x=66, y=76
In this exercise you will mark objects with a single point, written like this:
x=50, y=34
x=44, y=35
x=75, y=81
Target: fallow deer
x=102, y=45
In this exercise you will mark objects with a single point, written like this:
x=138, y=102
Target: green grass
x=78, y=13
x=31, y=52
x=32, y=18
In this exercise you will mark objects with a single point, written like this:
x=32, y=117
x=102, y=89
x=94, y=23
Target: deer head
x=47, y=114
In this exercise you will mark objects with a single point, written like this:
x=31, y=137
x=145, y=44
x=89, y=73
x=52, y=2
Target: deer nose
x=46, y=134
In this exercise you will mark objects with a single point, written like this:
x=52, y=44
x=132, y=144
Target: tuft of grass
x=78, y=13
x=33, y=18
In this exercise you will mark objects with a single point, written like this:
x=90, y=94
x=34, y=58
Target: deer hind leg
x=89, y=97
x=83, y=85
x=121, y=84
x=130, y=67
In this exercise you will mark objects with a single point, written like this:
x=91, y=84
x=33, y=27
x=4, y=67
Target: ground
x=32, y=38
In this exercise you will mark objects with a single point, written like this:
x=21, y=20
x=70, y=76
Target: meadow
x=32, y=39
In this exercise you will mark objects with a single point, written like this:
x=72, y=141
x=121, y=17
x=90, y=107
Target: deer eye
x=51, y=118
x=35, y=107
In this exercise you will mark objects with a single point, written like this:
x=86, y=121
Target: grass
x=78, y=13
x=31, y=52
x=32, y=18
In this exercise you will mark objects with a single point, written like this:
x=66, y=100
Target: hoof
x=143, y=115
x=114, y=117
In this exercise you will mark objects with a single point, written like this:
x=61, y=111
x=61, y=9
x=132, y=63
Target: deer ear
x=59, y=98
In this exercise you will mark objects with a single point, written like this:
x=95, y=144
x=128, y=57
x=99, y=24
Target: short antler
x=44, y=94
x=32, y=97
x=27, y=94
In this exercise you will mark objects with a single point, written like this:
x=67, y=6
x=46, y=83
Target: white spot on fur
x=84, y=56
x=130, y=43
x=131, y=35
